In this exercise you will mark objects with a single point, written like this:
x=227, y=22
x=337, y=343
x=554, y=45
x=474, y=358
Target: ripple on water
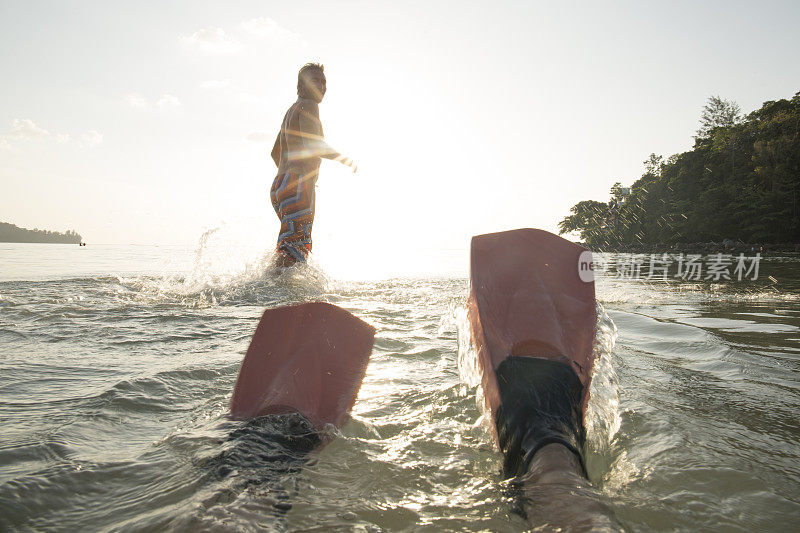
x=113, y=394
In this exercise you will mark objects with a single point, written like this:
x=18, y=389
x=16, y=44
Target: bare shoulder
x=308, y=106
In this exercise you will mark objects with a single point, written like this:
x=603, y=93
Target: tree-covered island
x=739, y=184
x=12, y=233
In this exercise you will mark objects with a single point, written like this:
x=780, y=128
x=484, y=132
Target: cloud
x=91, y=138
x=25, y=129
x=266, y=28
x=216, y=41
x=136, y=100
x=260, y=137
x=212, y=41
x=214, y=85
x=168, y=101
x=22, y=129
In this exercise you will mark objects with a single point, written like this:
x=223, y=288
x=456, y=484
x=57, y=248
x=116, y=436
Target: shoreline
x=703, y=248
x=40, y=242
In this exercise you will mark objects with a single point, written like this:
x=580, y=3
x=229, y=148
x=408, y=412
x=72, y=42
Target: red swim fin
x=308, y=358
x=533, y=325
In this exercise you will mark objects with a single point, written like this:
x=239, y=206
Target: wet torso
x=301, y=132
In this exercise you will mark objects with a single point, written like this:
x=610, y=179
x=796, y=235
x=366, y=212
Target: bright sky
x=148, y=122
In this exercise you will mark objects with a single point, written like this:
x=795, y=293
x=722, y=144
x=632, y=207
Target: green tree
x=588, y=218
x=741, y=181
x=718, y=113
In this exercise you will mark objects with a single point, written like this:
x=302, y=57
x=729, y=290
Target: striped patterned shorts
x=292, y=197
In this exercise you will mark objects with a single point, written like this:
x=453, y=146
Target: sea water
x=117, y=364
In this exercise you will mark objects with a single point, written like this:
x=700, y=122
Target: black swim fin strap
x=540, y=405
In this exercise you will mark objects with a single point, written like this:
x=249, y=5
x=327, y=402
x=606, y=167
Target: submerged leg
x=541, y=433
x=553, y=492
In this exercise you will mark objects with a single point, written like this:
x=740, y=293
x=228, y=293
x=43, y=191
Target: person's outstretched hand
x=350, y=163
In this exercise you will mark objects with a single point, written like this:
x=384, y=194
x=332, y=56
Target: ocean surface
x=117, y=364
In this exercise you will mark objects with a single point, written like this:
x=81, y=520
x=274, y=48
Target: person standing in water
x=298, y=152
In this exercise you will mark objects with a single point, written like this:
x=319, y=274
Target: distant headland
x=12, y=233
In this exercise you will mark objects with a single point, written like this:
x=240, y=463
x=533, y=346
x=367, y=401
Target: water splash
x=602, y=417
x=226, y=274
x=468, y=370
x=200, y=258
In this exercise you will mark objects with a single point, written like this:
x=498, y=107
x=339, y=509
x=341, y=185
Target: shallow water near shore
x=117, y=363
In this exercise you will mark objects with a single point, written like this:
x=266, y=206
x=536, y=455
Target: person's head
x=311, y=82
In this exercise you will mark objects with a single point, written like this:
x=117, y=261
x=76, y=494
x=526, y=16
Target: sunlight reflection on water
x=115, y=373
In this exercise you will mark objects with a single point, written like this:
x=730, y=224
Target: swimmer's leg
x=296, y=200
x=278, y=185
x=541, y=433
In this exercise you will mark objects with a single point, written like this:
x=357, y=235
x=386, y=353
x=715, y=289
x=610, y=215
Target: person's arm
x=314, y=140
x=276, y=151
